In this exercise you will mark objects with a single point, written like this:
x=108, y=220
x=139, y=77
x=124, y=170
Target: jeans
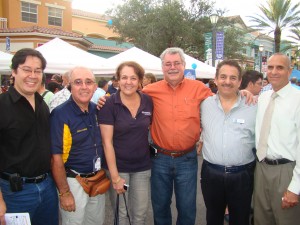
x=181, y=174
x=39, y=200
x=137, y=197
x=233, y=189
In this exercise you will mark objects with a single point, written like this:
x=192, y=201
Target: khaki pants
x=270, y=182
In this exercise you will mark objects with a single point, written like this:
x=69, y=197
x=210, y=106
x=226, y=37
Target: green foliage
x=154, y=25
x=276, y=16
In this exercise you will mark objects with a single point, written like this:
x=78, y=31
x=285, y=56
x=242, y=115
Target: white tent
x=150, y=63
x=202, y=70
x=62, y=56
x=5, y=62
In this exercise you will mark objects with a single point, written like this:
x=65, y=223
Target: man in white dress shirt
x=277, y=176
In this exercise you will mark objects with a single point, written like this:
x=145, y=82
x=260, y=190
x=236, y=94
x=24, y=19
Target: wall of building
x=12, y=11
x=92, y=27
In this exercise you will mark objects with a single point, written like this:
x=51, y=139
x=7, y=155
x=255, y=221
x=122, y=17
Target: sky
x=244, y=8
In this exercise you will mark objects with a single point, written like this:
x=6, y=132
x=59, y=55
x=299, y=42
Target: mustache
x=226, y=85
x=173, y=71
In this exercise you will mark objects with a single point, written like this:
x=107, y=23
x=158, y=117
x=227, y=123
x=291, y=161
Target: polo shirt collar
x=76, y=108
x=216, y=97
x=180, y=83
x=117, y=99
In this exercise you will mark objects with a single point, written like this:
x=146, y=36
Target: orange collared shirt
x=176, y=114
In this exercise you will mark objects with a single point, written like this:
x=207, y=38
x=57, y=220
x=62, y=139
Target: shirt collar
x=285, y=90
x=16, y=96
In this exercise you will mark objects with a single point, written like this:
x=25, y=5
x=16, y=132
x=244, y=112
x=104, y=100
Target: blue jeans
x=39, y=200
x=178, y=173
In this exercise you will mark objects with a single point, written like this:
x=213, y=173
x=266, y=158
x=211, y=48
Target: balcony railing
x=3, y=23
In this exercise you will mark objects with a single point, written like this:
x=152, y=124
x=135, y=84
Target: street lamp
x=261, y=49
x=214, y=19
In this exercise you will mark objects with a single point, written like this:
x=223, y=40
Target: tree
x=277, y=16
x=154, y=25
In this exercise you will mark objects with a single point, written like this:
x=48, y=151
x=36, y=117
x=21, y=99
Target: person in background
x=252, y=82
x=227, y=172
x=101, y=90
x=149, y=78
x=77, y=149
x=114, y=86
x=57, y=78
x=124, y=123
x=294, y=83
x=26, y=184
x=277, y=174
x=46, y=94
x=54, y=87
x=213, y=87
x=63, y=95
x=265, y=81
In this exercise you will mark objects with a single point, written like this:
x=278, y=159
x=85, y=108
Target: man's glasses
x=79, y=82
x=175, y=64
x=28, y=71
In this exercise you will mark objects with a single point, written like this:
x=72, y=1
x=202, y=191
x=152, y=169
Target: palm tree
x=276, y=16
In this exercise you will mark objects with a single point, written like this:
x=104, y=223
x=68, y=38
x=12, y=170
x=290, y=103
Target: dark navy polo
x=130, y=137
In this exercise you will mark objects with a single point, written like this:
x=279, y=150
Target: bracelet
x=64, y=194
x=119, y=178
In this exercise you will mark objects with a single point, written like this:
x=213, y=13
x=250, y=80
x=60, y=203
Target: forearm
x=59, y=174
x=2, y=209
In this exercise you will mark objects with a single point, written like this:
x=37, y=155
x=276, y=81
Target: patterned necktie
x=265, y=129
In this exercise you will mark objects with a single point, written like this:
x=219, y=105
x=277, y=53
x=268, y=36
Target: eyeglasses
x=28, y=71
x=79, y=82
x=175, y=64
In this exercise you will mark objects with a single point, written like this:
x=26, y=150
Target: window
x=29, y=12
x=54, y=16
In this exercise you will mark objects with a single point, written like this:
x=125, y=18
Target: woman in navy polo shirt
x=124, y=122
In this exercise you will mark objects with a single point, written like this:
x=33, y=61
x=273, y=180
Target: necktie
x=265, y=129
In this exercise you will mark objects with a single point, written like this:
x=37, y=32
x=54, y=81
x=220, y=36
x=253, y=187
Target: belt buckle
x=225, y=169
x=173, y=154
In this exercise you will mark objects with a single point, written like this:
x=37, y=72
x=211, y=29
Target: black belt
x=172, y=153
x=231, y=169
x=276, y=161
x=37, y=179
x=72, y=174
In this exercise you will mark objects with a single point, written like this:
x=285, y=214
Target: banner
x=190, y=74
x=208, y=48
x=219, y=45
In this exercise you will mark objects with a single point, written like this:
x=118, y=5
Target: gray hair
x=79, y=67
x=173, y=51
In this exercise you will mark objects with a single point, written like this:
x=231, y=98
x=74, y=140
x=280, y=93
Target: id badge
x=97, y=163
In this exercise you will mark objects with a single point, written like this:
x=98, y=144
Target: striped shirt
x=228, y=138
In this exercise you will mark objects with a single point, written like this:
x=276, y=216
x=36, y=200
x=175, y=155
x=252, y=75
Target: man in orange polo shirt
x=175, y=130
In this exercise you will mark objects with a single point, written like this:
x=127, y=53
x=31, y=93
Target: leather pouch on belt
x=95, y=185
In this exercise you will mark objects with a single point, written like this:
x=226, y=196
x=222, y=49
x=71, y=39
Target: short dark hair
x=250, y=76
x=102, y=82
x=21, y=55
x=232, y=63
x=53, y=85
x=138, y=69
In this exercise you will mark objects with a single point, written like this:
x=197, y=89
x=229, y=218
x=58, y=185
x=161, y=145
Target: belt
x=173, y=154
x=231, y=169
x=38, y=179
x=72, y=174
x=276, y=161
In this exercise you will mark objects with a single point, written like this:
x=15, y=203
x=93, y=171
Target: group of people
x=248, y=149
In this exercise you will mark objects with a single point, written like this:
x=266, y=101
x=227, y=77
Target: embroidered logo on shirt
x=146, y=113
x=84, y=129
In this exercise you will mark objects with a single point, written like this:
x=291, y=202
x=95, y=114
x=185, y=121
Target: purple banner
x=219, y=45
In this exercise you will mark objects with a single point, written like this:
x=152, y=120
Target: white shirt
x=59, y=98
x=284, y=138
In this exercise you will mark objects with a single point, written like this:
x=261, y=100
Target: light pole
x=214, y=19
x=261, y=49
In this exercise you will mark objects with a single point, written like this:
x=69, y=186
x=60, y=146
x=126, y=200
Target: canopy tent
x=62, y=56
x=150, y=63
x=203, y=71
x=295, y=73
x=5, y=62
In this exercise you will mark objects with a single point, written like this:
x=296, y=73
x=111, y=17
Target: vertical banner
x=7, y=44
x=220, y=45
x=208, y=48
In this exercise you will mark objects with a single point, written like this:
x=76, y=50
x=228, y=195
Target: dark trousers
x=233, y=189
